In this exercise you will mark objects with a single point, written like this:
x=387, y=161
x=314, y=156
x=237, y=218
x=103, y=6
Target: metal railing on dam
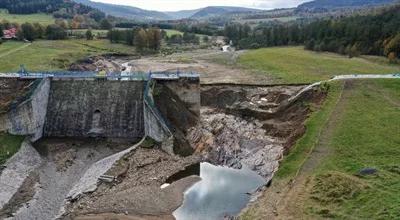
x=135, y=76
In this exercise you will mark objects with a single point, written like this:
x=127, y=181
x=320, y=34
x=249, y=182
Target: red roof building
x=10, y=33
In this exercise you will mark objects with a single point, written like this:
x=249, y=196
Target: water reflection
x=222, y=191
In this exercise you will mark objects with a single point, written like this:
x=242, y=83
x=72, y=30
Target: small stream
x=222, y=192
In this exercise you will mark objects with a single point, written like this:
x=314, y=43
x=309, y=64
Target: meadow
x=171, y=32
x=44, y=19
x=54, y=55
x=296, y=65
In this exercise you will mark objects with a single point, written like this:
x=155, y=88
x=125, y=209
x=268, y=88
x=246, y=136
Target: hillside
x=66, y=9
x=141, y=14
x=213, y=11
x=41, y=18
x=126, y=11
x=182, y=14
x=333, y=4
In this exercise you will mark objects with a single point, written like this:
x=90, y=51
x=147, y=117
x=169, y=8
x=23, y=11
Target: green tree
x=55, y=32
x=39, y=30
x=105, y=24
x=206, y=39
x=28, y=32
x=89, y=35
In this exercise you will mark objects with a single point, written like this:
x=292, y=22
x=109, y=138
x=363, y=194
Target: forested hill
x=59, y=8
x=126, y=11
x=332, y=4
x=374, y=34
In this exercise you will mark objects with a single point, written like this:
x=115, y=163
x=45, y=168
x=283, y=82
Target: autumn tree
x=392, y=47
x=141, y=41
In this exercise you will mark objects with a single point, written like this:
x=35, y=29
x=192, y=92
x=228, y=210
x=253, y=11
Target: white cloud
x=174, y=5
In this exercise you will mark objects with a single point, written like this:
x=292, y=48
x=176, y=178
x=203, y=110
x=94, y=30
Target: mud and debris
x=137, y=191
x=248, y=126
x=10, y=90
x=104, y=62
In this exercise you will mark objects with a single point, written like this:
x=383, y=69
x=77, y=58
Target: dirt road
x=198, y=61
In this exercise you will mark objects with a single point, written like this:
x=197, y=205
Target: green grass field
x=9, y=145
x=314, y=125
x=366, y=136
x=296, y=65
x=82, y=32
x=171, y=32
x=54, y=55
x=44, y=19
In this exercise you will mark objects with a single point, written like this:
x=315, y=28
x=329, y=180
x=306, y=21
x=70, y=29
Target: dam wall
x=95, y=108
x=161, y=107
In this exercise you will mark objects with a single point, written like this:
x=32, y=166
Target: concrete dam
x=134, y=144
x=100, y=107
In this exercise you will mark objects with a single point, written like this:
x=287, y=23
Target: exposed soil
x=96, y=63
x=136, y=191
x=10, y=90
x=197, y=61
x=247, y=125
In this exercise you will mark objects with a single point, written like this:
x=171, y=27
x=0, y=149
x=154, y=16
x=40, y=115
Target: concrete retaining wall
x=154, y=124
x=95, y=108
x=28, y=117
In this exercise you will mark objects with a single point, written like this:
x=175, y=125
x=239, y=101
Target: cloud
x=174, y=5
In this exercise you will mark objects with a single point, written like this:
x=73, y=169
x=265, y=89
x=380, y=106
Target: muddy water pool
x=222, y=192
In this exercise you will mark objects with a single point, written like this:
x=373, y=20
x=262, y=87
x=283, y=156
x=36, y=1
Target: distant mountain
x=213, y=11
x=126, y=11
x=141, y=14
x=332, y=4
x=182, y=14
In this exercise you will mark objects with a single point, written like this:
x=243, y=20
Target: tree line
x=79, y=15
x=59, y=8
x=374, y=34
x=145, y=40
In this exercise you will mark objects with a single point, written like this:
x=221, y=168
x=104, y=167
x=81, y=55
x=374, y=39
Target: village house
x=10, y=33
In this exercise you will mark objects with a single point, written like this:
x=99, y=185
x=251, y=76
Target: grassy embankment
x=9, y=145
x=55, y=55
x=44, y=19
x=365, y=134
x=296, y=65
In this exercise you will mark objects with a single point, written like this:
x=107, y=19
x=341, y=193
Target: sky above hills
x=175, y=5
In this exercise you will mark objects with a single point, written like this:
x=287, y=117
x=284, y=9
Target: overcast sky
x=174, y=5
